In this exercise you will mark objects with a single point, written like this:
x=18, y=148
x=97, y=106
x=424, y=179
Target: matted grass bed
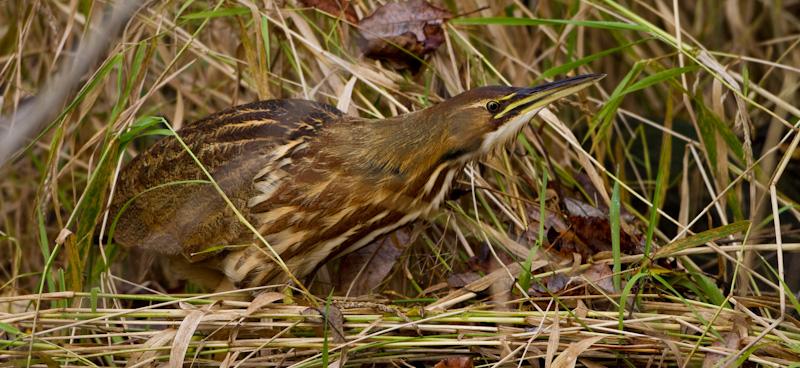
x=274, y=331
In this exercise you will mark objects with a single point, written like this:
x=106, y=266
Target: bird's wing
x=234, y=146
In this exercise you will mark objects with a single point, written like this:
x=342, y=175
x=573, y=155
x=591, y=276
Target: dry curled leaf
x=600, y=274
x=337, y=8
x=588, y=236
x=335, y=321
x=596, y=233
x=726, y=347
x=459, y=280
x=555, y=283
x=455, y=362
x=151, y=348
x=365, y=268
x=569, y=357
x=485, y=261
x=180, y=344
x=402, y=32
x=263, y=300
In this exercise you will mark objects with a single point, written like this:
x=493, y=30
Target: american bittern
x=315, y=183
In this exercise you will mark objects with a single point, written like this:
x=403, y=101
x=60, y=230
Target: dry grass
x=701, y=124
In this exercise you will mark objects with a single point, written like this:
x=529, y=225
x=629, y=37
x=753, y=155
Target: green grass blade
x=216, y=13
x=525, y=275
x=539, y=22
x=623, y=298
x=661, y=178
x=602, y=120
x=701, y=238
x=659, y=77
x=613, y=218
x=91, y=207
x=563, y=69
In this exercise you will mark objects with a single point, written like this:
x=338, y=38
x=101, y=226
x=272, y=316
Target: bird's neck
x=398, y=156
x=400, y=147
x=388, y=167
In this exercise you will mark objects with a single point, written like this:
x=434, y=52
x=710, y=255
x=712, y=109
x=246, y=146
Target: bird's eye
x=492, y=106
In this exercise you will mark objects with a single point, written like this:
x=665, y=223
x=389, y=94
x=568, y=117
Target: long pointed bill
x=526, y=100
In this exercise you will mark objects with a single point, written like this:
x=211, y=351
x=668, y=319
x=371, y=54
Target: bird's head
x=460, y=129
x=485, y=119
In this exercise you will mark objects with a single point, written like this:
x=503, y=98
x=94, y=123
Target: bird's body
x=313, y=182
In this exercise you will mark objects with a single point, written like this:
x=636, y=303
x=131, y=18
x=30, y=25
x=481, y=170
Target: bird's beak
x=529, y=99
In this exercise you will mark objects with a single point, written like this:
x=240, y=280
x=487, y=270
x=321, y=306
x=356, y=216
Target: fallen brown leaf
x=569, y=357
x=335, y=321
x=596, y=233
x=485, y=262
x=459, y=280
x=600, y=275
x=727, y=347
x=402, y=32
x=365, y=268
x=555, y=283
x=456, y=362
x=151, y=348
x=264, y=299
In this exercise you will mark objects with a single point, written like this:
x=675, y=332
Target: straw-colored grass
x=690, y=142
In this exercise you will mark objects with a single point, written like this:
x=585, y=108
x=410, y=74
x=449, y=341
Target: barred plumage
x=314, y=182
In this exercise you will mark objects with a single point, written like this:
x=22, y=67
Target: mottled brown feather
x=185, y=219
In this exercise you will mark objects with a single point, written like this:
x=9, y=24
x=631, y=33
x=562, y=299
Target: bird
x=313, y=182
